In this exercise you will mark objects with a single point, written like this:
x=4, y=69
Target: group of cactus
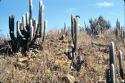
x=111, y=71
x=27, y=29
x=99, y=25
x=119, y=32
x=73, y=52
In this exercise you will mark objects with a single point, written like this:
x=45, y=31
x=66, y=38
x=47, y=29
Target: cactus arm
x=19, y=31
x=72, y=27
x=30, y=9
x=40, y=18
x=44, y=32
x=31, y=30
x=11, y=27
x=112, y=73
x=24, y=23
x=34, y=26
x=17, y=26
x=27, y=18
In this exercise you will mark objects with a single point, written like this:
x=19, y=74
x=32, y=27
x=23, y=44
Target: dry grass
x=50, y=64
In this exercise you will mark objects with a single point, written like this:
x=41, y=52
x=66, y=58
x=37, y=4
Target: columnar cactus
x=27, y=18
x=11, y=28
x=27, y=29
x=30, y=9
x=108, y=77
x=34, y=25
x=112, y=59
x=45, y=26
x=74, y=30
x=73, y=54
x=122, y=33
x=111, y=53
x=112, y=73
x=64, y=28
x=120, y=64
x=72, y=27
x=40, y=20
x=75, y=36
x=31, y=30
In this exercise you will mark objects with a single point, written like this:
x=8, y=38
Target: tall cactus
x=44, y=31
x=111, y=53
x=75, y=36
x=72, y=27
x=24, y=23
x=112, y=73
x=19, y=34
x=34, y=25
x=64, y=28
x=120, y=64
x=30, y=9
x=112, y=63
x=27, y=18
x=40, y=19
x=108, y=77
x=11, y=27
x=77, y=61
x=31, y=30
x=27, y=30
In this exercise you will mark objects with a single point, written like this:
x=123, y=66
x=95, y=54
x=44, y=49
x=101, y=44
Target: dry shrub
x=50, y=64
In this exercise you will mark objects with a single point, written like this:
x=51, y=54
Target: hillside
x=50, y=64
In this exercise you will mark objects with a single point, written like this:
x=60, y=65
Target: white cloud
x=105, y=4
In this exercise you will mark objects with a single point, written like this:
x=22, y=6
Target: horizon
x=59, y=12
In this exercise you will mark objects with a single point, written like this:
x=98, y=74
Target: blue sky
x=58, y=11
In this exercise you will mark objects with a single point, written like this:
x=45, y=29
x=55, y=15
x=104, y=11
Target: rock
x=23, y=60
x=20, y=65
x=68, y=79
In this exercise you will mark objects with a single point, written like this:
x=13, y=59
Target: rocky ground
x=51, y=65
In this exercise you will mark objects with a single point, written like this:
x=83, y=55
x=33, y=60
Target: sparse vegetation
x=95, y=54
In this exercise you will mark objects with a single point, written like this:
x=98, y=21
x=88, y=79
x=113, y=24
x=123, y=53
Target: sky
x=56, y=12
